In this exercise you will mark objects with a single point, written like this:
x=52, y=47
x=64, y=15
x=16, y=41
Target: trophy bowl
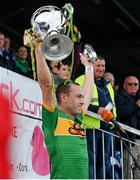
x=90, y=53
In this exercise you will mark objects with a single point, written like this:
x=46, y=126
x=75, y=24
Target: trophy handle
x=67, y=12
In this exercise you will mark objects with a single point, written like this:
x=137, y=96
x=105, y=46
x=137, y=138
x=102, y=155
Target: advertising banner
x=28, y=154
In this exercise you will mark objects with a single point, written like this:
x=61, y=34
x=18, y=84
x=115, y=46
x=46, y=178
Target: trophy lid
x=47, y=19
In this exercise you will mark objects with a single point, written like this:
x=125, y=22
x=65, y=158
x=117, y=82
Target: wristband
x=88, y=69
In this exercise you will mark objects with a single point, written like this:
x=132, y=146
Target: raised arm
x=44, y=77
x=88, y=81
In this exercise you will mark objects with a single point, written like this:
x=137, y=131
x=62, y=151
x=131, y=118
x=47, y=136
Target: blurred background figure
x=128, y=112
x=23, y=62
x=128, y=104
x=60, y=70
x=63, y=72
x=6, y=60
x=5, y=132
x=8, y=49
x=1, y=49
x=109, y=77
x=53, y=65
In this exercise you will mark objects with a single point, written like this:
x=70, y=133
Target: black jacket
x=127, y=111
x=7, y=62
x=2, y=61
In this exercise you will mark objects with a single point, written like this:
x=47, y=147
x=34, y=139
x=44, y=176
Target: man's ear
x=63, y=97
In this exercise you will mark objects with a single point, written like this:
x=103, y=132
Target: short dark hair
x=100, y=57
x=49, y=64
x=63, y=63
x=64, y=88
x=1, y=33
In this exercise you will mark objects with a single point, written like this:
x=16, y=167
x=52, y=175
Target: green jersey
x=66, y=144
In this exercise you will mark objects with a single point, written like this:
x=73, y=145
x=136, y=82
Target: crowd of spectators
x=16, y=60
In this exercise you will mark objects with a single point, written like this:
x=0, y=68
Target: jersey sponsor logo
x=68, y=127
x=76, y=130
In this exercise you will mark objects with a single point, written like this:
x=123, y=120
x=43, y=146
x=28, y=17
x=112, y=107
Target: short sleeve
x=49, y=117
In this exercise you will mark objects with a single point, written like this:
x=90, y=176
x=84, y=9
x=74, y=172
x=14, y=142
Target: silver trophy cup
x=49, y=22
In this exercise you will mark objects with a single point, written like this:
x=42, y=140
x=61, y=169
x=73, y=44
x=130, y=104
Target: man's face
x=74, y=100
x=7, y=43
x=99, y=68
x=131, y=85
x=22, y=53
x=1, y=40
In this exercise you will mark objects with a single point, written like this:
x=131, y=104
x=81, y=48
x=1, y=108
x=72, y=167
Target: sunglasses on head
x=131, y=84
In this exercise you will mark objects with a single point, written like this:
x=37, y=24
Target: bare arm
x=44, y=77
x=88, y=81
